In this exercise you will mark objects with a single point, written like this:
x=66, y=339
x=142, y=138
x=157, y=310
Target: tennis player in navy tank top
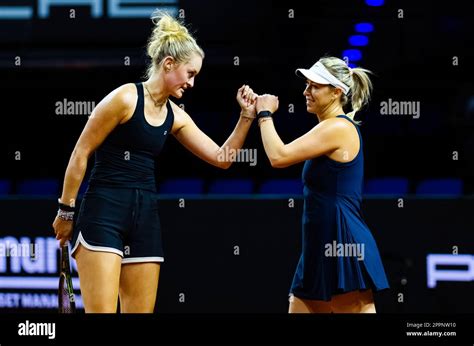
x=340, y=265
x=116, y=235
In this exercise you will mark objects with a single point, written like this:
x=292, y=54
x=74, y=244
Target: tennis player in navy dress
x=340, y=266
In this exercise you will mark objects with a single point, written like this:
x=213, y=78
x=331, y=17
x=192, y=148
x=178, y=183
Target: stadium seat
x=386, y=186
x=45, y=187
x=5, y=187
x=231, y=186
x=282, y=186
x=182, y=186
x=447, y=187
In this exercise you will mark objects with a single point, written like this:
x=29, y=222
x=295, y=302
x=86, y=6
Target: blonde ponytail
x=356, y=78
x=170, y=37
x=361, y=90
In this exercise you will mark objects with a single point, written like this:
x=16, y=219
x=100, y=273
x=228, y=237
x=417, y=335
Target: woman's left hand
x=267, y=102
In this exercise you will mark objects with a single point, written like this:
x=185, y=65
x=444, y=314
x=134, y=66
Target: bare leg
x=298, y=305
x=138, y=287
x=99, y=274
x=354, y=302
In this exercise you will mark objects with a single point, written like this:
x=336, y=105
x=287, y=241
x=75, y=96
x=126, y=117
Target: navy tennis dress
x=339, y=253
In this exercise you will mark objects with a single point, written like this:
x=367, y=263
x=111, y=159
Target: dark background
x=203, y=268
x=411, y=57
x=83, y=59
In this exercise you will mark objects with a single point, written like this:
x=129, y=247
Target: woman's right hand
x=246, y=99
x=63, y=230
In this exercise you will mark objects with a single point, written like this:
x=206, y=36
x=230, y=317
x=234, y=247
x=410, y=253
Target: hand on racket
x=63, y=230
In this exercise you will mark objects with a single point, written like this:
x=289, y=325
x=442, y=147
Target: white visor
x=319, y=74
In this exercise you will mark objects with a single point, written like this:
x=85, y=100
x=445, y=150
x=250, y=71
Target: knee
x=99, y=307
x=130, y=304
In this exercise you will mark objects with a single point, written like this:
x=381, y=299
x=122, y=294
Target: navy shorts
x=123, y=221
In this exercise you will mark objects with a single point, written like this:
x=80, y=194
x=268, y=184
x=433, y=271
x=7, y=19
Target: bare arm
x=320, y=140
x=197, y=142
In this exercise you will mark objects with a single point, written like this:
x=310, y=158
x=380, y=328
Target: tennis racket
x=66, y=299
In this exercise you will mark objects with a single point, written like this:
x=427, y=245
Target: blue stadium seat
x=447, y=187
x=231, y=186
x=45, y=187
x=5, y=187
x=282, y=186
x=387, y=186
x=182, y=186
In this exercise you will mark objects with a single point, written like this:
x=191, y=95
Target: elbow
x=279, y=158
x=80, y=154
x=221, y=160
x=223, y=164
x=278, y=162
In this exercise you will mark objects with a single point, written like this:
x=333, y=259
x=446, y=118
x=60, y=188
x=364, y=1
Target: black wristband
x=65, y=207
x=264, y=114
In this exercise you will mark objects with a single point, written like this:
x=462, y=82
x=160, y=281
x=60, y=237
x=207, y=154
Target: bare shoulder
x=337, y=123
x=335, y=126
x=338, y=131
x=127, y=95
x=124, y=95
x=343, y=133
x=121, y=101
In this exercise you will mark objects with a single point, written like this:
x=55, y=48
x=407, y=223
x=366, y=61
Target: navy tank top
x=127, y=156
